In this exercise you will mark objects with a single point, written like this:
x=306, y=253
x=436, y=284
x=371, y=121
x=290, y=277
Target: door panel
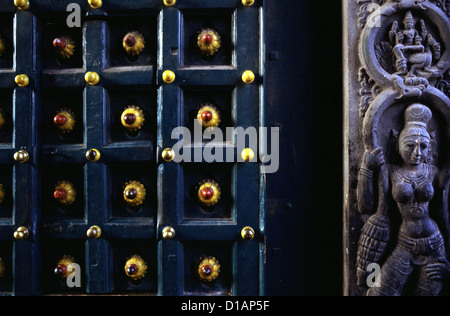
x=73, y=191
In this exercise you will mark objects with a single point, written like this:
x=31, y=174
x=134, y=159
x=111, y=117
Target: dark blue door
x=91, y=181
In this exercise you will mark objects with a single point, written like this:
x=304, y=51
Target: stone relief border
x=404, y=111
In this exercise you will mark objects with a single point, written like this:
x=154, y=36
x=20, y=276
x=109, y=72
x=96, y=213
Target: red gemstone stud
x=60, y=194
x=59, y=43
x=207, y=193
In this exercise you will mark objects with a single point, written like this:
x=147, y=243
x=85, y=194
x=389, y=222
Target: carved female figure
x=420, y=244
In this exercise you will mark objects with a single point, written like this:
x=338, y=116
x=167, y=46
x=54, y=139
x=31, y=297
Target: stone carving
x=419, y=244
x=399, y=215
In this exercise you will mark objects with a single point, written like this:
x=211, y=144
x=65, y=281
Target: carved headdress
x=417, y=117
x=408, y=17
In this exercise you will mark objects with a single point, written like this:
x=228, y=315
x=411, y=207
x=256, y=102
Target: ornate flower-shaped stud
x=208, y=42
x=135, y=267
x=132, y=118
x=64, y=47
x=133, y=43
x=65, y=193
x=134, y=193
x=208, y=269
x=208, y=193
x=208, y=116
x=64, y=121
x=64, y=267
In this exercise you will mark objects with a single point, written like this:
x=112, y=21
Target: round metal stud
x=22, y=4
x=64, y=47
x=209, y=193
x=21, y=233
x=208, y=269
x=208, y=116
x=170, y=3
x=168, y=232
x=2, y=119
x=247, y=233
x=93, y=155
x=2, y=268
x=168, y=154
x=64, y=121
x=134, y=193
x=65, y=193
x=247, y=155
x=95, y=4
x=133, y=43
x=248, y=3
x=21, y=156
x=22, y=80
x=248, y=76
x=135, y=267
x=2, y=194
x=94, y=232
x=2, y=46
x=208, y=42
x=64, y=267
x=92, y=78
x=132, y=118
x=168, y=76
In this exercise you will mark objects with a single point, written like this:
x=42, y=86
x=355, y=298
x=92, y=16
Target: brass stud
x=22, y=80
x=135, y=267
x=208, y=269
x=94, y=232
x=168, y=232
x=21, y=233
x=168, y=154
x=132, y=118
x=170, y=3
x=2, y=194
x=248, y=3
x=93, y=155
x=248, y=76
x=92, y=78
x=95, y=4
x=22, y=4
x=21, y=156
x=2, y=46
x=64, y=267
x=247, y=233
x=134, y=193
x=168, y=76
x=2, y=268
x=247, y=155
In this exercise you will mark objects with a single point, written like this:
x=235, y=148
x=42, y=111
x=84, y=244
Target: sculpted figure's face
x=414, y=149
x=409, y=24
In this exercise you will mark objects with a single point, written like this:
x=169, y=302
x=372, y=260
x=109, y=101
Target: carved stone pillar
x=397, y=154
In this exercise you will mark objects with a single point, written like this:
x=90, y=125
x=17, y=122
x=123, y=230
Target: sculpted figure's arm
x=393, y=33
x=372, y=161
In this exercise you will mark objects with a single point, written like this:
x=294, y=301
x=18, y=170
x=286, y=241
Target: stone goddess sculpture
x=419, y=248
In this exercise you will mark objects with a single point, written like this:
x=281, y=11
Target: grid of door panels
x=55, y=230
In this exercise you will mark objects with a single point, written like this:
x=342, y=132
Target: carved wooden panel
x=397, y=60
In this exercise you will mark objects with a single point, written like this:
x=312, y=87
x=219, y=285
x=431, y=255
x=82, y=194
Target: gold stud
x=21, y=156
x=64, y=121
x=134, y=193
x=208, y=269
x=208, y=42
x=170, y=3
x=94, y=232
x=21, y=233
x=208, y=193
x=248, y=76
x=64, y=47
x=64, y=267
x=2, y=119
x=93, y=155
x=133, y=43
x=92, y=78
x=247, y=155
x=208, y=116
x=2, y=268
x=135, y=267
x=132, y=118
x=22, y=4
x=2, y=46
x=168, y=232
x=248, y=3
x=2, y=194
x=95, y=4
x=168, y=76
x=65, y=193
x=22, y=80
x=168, y=154
x=247, y=233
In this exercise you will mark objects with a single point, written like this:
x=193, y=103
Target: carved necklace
x=412, y=180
